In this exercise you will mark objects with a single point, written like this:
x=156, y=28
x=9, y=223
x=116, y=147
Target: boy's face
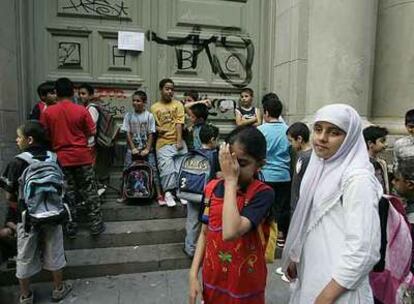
x=295, y=143
x=188, y=99
x=410, y=128
x=22, y=141
x=167, y=92
x=138, y=104
x=379, y=145
x=192, y=117
x=404, y=187
x=50, y=97
x=246, y=99
x=84, y=95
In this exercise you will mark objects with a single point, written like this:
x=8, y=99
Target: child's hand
x=179, y=145
x=135, y=151
x=228, y=163
x=194, y=290
x=144, y=152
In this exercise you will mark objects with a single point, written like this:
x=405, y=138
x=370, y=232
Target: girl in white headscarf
x=334, y=236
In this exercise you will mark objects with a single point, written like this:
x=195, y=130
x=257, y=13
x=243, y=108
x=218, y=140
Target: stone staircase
x=138, y=238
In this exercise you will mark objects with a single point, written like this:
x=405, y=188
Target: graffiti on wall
x=94, y=8
x=115, y=101
x=69, y=54
x=188, y=59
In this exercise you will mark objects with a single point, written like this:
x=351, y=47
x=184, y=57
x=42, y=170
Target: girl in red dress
x=231, y=247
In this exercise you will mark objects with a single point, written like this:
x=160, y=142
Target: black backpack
x=106, y=128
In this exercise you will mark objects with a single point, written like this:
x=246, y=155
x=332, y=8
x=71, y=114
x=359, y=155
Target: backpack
x=197, y=168
x=106, y=128
x=391, y=277
x=138, y=180
x=41, y=189
x=267, y=230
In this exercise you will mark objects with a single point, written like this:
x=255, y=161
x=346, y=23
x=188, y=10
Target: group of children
x=255, y=179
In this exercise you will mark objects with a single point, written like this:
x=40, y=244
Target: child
x=229, y=247
x=406, y=144
x=191, y=98
x=375, y=139
x=86, y=96
x=334, y=236
x=8, y=233
x=198, y=114
x=246, y=114
x=47, y=240
x=140, y=128
x=47, y=95
x=170, y=147
x=276, y=171
x=208, y=137
x=298, y=136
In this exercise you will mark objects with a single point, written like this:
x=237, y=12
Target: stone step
x=113, y=211
x=84, y=263
x=131, y=233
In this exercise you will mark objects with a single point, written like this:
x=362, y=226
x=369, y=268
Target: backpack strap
x=255, y=187
x=210, y=187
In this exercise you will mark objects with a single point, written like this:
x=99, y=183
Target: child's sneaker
x=183, y=202
x=161, y=201
x=28, y=300
x=60, y=294
x=169, y=199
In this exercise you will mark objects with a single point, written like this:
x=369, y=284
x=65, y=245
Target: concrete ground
x=164, y=287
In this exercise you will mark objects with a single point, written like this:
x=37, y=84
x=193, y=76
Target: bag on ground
x=138, y=180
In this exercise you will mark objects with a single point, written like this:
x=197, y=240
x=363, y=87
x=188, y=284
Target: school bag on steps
x=41, y=188
x=138, y=180
x=197, y=168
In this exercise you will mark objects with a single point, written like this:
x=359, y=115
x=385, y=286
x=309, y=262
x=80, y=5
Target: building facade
x=310, y=52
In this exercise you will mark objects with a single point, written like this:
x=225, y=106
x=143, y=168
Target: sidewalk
x=166, y=287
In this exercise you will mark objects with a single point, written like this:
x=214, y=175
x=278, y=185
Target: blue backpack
x=197, y=169
x=41, y=188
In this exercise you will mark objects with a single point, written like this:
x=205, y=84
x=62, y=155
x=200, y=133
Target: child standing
x=208, y=136
x=170, y=147
x=229, y=246
x=376, y=141
x=276, y=171
x=140, y=128
x=40, y=247
x=47, y=95
x=405, y=145
x=198, y=114
x=246, y=113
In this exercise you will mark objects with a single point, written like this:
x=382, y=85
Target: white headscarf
x=323, y=179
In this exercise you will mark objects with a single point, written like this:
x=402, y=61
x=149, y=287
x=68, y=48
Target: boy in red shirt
x=69, y=126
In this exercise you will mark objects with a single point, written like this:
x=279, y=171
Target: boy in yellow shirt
x=170, y=146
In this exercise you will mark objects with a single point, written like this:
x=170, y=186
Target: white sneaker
x=183, y=202
x=284, y=278
x=169, y=198
x=279, y=271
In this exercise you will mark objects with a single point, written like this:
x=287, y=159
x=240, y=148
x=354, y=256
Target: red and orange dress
x=234, y=272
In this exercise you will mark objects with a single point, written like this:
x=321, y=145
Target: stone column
x=340, y=53
x=394, y=64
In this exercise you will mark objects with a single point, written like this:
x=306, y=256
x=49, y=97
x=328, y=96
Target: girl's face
x=138, y=104
x=22, y=141
x=84, y=95
x=327, y=139
x=247, y=164
x=246, y=99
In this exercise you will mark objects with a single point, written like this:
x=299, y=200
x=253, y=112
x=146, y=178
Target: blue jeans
x=192, y=227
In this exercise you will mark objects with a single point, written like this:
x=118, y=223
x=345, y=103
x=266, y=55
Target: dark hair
x=272, y=105
x=141, y=94
x=88, y=88
x=253, y=141
x=299, y=129
x=193, y=94
x=409, y=117
x=208, y=132
x=372, y=133
x=200, y=111
x=164, y=81
x=36, y=130
x=64, y=87
x=44, y=88
x=247, y=90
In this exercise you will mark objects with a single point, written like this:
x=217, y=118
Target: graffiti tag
x=102, y=8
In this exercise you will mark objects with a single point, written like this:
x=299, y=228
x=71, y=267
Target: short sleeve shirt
x=139, y=125
x=167, y=116
x=256, y=210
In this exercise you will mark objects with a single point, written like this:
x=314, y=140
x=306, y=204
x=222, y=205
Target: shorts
x=39, y=248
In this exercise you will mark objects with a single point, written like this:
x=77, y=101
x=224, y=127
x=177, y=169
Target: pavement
x=162, y=287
